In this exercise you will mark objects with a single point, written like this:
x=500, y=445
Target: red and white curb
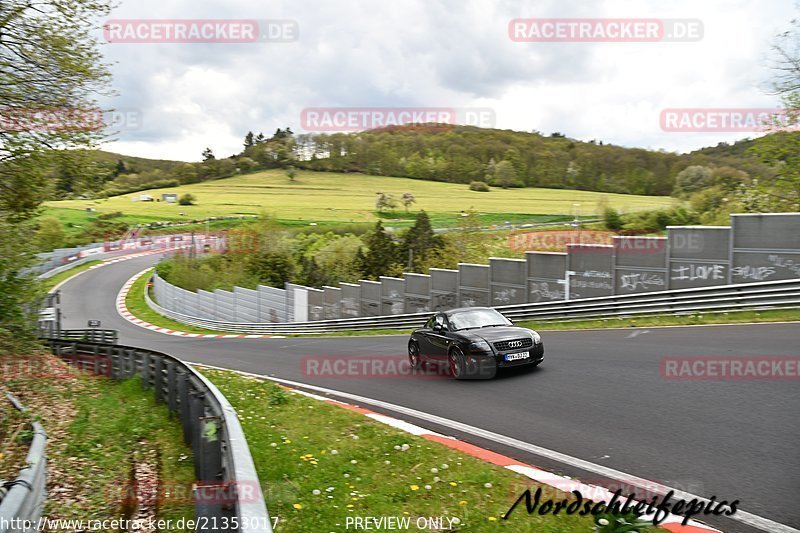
x=565, y=484
x=122, y=309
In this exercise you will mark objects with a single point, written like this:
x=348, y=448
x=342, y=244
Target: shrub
x=479, y=186
x=187, y=199
x=611, y=219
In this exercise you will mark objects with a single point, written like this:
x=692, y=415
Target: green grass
x=49, y=283
x=301, y=445
x=96, y=427
x=700, y=318
x=137, y=305
x=114, y=420
x=324, y=198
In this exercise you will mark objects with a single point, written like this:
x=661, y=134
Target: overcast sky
x=439, y=53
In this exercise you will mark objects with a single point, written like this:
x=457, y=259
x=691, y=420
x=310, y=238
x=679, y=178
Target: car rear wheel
x=414, y=358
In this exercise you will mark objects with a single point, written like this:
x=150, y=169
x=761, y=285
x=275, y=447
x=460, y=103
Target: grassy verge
x=321, y=464
x=736, y=317
x=96, y=428
x=49, y=283
x=137, y=305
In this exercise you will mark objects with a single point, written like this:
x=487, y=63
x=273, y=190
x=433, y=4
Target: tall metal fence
x=754, y=248
x=227, y=488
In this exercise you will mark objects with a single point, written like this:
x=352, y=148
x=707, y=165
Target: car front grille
x=514, y=344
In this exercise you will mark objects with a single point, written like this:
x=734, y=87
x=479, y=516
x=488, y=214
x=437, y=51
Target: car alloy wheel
x=457, y=363
x=413, y=355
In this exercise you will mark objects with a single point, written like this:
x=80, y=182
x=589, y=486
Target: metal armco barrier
x=23, y=499
x=222, y=460
x=103, y=336
x=764, y=295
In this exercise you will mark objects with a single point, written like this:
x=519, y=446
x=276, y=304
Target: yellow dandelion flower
x=297, y=506
x=414, y=487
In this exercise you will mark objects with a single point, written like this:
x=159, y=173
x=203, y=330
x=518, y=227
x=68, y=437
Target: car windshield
x=477, y=318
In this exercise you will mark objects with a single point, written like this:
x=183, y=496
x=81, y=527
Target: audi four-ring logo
x=515, y=344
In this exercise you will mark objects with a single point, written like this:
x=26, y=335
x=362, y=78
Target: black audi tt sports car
x=474, y=342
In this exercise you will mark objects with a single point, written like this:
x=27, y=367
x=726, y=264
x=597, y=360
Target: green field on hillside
x=341, y=198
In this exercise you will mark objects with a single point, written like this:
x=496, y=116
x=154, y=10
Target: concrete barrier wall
x=316, y=304
x=508, y=281
x=332, y=303
x=351, y=300
x=546, y=276
x=418, y=293
x=370, y=298
x=593, y=270
x=444, y=289
x=699, y=256
x=754, y=248
x=640, y=264
x=393, y=296
x=765, y=247
x=473, y=285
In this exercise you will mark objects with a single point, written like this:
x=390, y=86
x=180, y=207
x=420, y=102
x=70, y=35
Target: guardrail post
x=145, y=372
x=197, y=410
x=209, y=460
x=172, y=390
x=96, y=360
x=158, y=379
x=107, y=361
x=184, y=407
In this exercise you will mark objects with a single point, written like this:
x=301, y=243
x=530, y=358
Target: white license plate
x=517, y=356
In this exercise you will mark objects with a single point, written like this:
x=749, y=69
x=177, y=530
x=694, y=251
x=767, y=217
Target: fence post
x=158, y=379
x=197, y=410
x=185, y=406
x=172, y=391
x=146, y=370
x=210, y=457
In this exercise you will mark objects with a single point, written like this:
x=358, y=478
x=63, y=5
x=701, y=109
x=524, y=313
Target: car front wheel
x=458, y=364
x=414, y=358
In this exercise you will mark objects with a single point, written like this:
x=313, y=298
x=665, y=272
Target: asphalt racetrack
x=599, y=396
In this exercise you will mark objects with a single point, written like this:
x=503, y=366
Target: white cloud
x=437, y=53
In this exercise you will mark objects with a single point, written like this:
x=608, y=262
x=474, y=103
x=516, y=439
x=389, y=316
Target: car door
x=424, y=338
x=439, y=338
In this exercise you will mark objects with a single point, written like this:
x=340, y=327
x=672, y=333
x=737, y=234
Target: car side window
x=430, y=322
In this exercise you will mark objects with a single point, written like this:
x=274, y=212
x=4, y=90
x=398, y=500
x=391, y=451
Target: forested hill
x=465, y=154
x=456, y=154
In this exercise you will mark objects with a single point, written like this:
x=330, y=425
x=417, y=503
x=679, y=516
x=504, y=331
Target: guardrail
x=23, y=499
x=222, y=460
x=762, y=295
x=102, y=336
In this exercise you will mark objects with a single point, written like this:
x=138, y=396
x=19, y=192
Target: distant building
x=169, y=197
x=145, y=198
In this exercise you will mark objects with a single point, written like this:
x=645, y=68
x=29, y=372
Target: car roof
x=461, y=309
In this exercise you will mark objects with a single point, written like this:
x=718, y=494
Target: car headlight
x=479, y=346
x=536, y=337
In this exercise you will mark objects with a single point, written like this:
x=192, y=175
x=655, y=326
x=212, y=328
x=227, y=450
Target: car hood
x=495, y=334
